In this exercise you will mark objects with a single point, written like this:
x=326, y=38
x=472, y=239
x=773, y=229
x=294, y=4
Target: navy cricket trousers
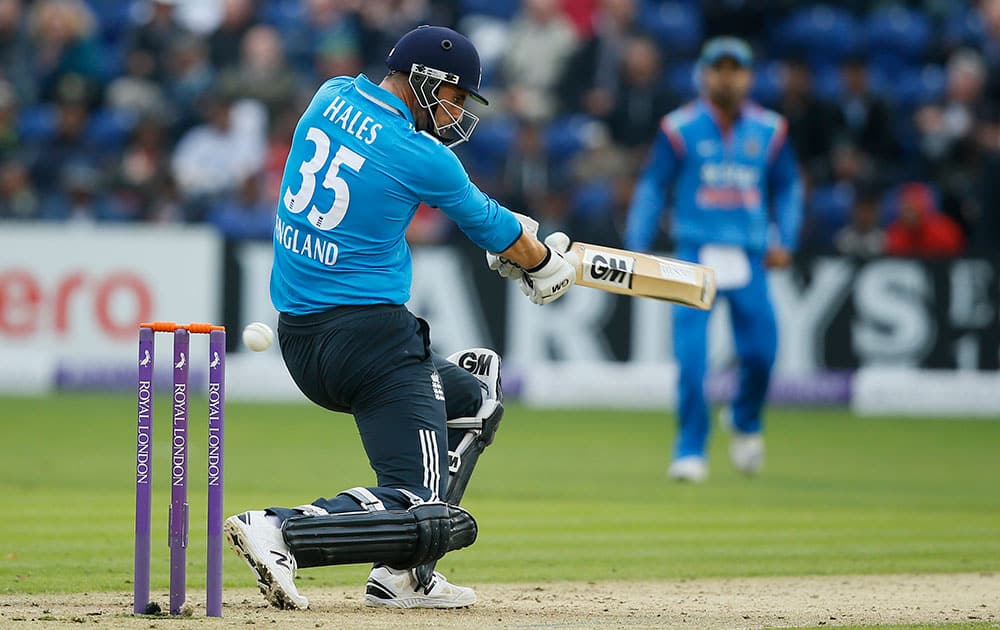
x=376, y=363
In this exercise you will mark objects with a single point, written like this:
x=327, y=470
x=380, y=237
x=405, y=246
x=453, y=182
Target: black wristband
x=545, y=261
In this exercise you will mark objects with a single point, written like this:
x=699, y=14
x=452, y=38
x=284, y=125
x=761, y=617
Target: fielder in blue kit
x=363, y=157
x=727, y=168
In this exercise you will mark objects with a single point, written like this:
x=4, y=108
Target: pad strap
x=366, y=498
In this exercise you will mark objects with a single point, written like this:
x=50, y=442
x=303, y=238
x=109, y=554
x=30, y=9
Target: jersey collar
x=712, y=112
x=382, y=97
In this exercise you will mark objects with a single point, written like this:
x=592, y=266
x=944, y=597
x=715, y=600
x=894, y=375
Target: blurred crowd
x=174, y=111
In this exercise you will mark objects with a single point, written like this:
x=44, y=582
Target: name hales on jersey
x=305, y=244
x=352, y=120
x=607, y=268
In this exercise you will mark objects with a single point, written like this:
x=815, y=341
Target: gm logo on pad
x=608, y=269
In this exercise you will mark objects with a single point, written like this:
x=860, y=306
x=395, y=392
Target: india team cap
x=719, y=48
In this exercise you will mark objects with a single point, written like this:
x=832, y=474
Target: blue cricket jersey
x=356, y=172
x=727, y=185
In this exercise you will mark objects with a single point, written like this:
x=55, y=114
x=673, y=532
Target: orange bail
x=203, y=328
x=197, y=328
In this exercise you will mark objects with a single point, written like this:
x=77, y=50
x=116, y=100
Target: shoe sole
x=269, y=587
x=413, y=602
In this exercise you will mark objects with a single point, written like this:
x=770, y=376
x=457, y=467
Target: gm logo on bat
x=609, y=269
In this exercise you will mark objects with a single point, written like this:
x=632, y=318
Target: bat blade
x=644, y=275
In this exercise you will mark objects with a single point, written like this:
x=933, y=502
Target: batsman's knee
x=484, y=364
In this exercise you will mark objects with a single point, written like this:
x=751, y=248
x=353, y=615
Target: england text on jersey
x=309, y=245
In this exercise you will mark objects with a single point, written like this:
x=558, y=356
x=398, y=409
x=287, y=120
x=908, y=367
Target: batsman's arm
x=527, y=251
x=650, y=194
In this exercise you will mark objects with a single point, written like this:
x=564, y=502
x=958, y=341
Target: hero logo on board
x=30, y=304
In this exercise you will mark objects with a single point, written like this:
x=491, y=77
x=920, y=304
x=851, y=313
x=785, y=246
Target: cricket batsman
x=363, y=156
x=730, y=174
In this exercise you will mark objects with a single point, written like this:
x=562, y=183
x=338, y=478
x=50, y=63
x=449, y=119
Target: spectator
x=863, y=237
x=528, y=174
x=136, y=92
x=948, y=136
x=263, y=74
x=17, y=198
x=216, y=157
x=541, y=41
x=14, y=60
x=381, y=24
x=581, y=13
x=919, y=229
x=166, y=205
x=225, y=42
x=79, y=196
x=279, y=143
x=640, y=100
x=9, y=142
x=811, y=122
x=990, y=12
x=744, y=18
x=867, y=119
x=62, y=34
x=590, y=78
x=143, y=160
x=830, y=204
x=602, y=182
x=248, y=214
x=150, y=42
x=337, y=56
x=328, y=26
x=69, y=142
x=190, y=76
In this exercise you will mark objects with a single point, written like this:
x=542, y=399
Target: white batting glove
x=556, y=273
x=508, y=268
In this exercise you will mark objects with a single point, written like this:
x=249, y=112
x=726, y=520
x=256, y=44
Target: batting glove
x=554, y=275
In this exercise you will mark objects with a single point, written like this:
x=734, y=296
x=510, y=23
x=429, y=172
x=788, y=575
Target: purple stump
x=216, y=441
x=143, y=470
x=178, y=534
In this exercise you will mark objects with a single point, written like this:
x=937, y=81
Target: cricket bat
x=641, y=275
x=644, y=275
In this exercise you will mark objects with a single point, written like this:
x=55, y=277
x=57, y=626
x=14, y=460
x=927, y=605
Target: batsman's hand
x=508, y=268
x=554, y=275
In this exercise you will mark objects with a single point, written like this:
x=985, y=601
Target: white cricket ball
x=258, y=336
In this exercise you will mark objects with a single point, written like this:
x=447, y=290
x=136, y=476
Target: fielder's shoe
x=746, y=451
x=259, y=542
x=399, y=589
x=691, y=468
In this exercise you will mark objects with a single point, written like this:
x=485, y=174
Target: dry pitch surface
x=702, y=603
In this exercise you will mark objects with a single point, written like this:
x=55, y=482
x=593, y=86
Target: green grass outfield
x=561, y=495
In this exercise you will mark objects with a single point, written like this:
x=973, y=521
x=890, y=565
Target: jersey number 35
x=298, y=201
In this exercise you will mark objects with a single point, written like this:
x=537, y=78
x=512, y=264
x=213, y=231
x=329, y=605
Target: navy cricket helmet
x=443, y=54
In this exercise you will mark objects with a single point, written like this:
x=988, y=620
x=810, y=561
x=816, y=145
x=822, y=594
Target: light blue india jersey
x=356, y=172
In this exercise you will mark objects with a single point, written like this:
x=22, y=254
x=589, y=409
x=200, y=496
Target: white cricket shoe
x=256, y=539
x=393, y=588
x=746, y=451
x=689, y=468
